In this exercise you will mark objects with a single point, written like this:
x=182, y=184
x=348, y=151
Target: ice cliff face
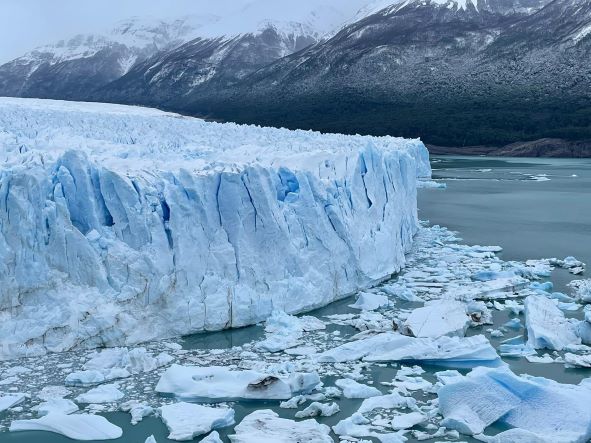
x=122, y=224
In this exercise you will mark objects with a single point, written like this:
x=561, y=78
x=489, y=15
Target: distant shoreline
x=544, y=148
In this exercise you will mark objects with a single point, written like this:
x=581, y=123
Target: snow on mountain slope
x=71, y=68
x=286, y=17
x=122, y=224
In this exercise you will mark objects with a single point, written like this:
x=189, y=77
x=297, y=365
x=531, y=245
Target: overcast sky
x=26, y=24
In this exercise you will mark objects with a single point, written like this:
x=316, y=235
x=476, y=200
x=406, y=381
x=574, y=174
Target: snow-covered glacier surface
x=122, y=224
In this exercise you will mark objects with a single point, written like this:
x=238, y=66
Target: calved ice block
x=547, y=326
x=265, y=426
x=549, y=410
x=82, y=427
x=389, y=346
x=121, y=224
x=218, y=383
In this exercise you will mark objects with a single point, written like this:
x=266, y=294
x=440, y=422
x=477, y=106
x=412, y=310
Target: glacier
x=122, y=224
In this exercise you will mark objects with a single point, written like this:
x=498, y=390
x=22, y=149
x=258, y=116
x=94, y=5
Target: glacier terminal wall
x=123, y=224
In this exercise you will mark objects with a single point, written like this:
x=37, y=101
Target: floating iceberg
x=406, y=421
x=77, y=427
x=10, y=400
x=221, y=384
x=265, y=426
x=145, y=224
x=135, y=361
x=284, y=331
x=456, y=351
x=59, y=405
x=547, y=327
x=582, y=289
x=315, y=409
x=368, y=301
x=137, y=410
x=353, y=389
x=559, y=412
x=445, y=317
x=101, y=394
x=185, y=421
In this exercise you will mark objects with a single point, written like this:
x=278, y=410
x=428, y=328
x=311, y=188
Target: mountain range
x=454, y=72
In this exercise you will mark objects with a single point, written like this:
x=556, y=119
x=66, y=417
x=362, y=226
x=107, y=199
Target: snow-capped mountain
x=152, y=52
x=452, y=72
x=225, y=53
x=70, y=68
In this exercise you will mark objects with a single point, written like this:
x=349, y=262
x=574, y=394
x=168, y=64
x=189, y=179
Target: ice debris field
x=432, y=344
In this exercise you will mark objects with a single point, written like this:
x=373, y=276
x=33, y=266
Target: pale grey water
x=529, y=219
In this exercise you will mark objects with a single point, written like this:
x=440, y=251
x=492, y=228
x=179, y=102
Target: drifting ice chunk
x=515, y=436
x=390, y=401
x=407, y=421
x=368, y=301
x=8, y=401
x=352, y=389
x=214, y=437
x=135, y=361
x=93, y=377
x=265, y=426
x=77, y=427
x=285, y=331
x=180, y=225
x=446, y=317
x=102, y=394
x=468, y=351
x=315, y=409
x=559, y=412
x=219, y=383
x=56, y=405
x=577, y=361
x=582, y=290
x=137, y=410
x=185, y=421
x=547, y=328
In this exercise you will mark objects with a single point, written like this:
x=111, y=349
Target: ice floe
x=547, y=327
x=101, y=394
x=56, y=405
x=265, y=426
x=445, y=317
x=352, y=389
x=544, y=407
x=10, y=400
x=318, y=409
x=220, y=383
x=77, y=427
x=185, y=421
x=470, y=351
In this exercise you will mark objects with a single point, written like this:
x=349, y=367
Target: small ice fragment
x=137, y=410
x=265, y=426
x=547, y=326
x=352, y=389
x=77, y=426
x=10, y=400
x=368, y=301
x=318, y=409
x=407, y=421
x=437, y=319
x=59, y=405
x=101, y=394
x=185, y=421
